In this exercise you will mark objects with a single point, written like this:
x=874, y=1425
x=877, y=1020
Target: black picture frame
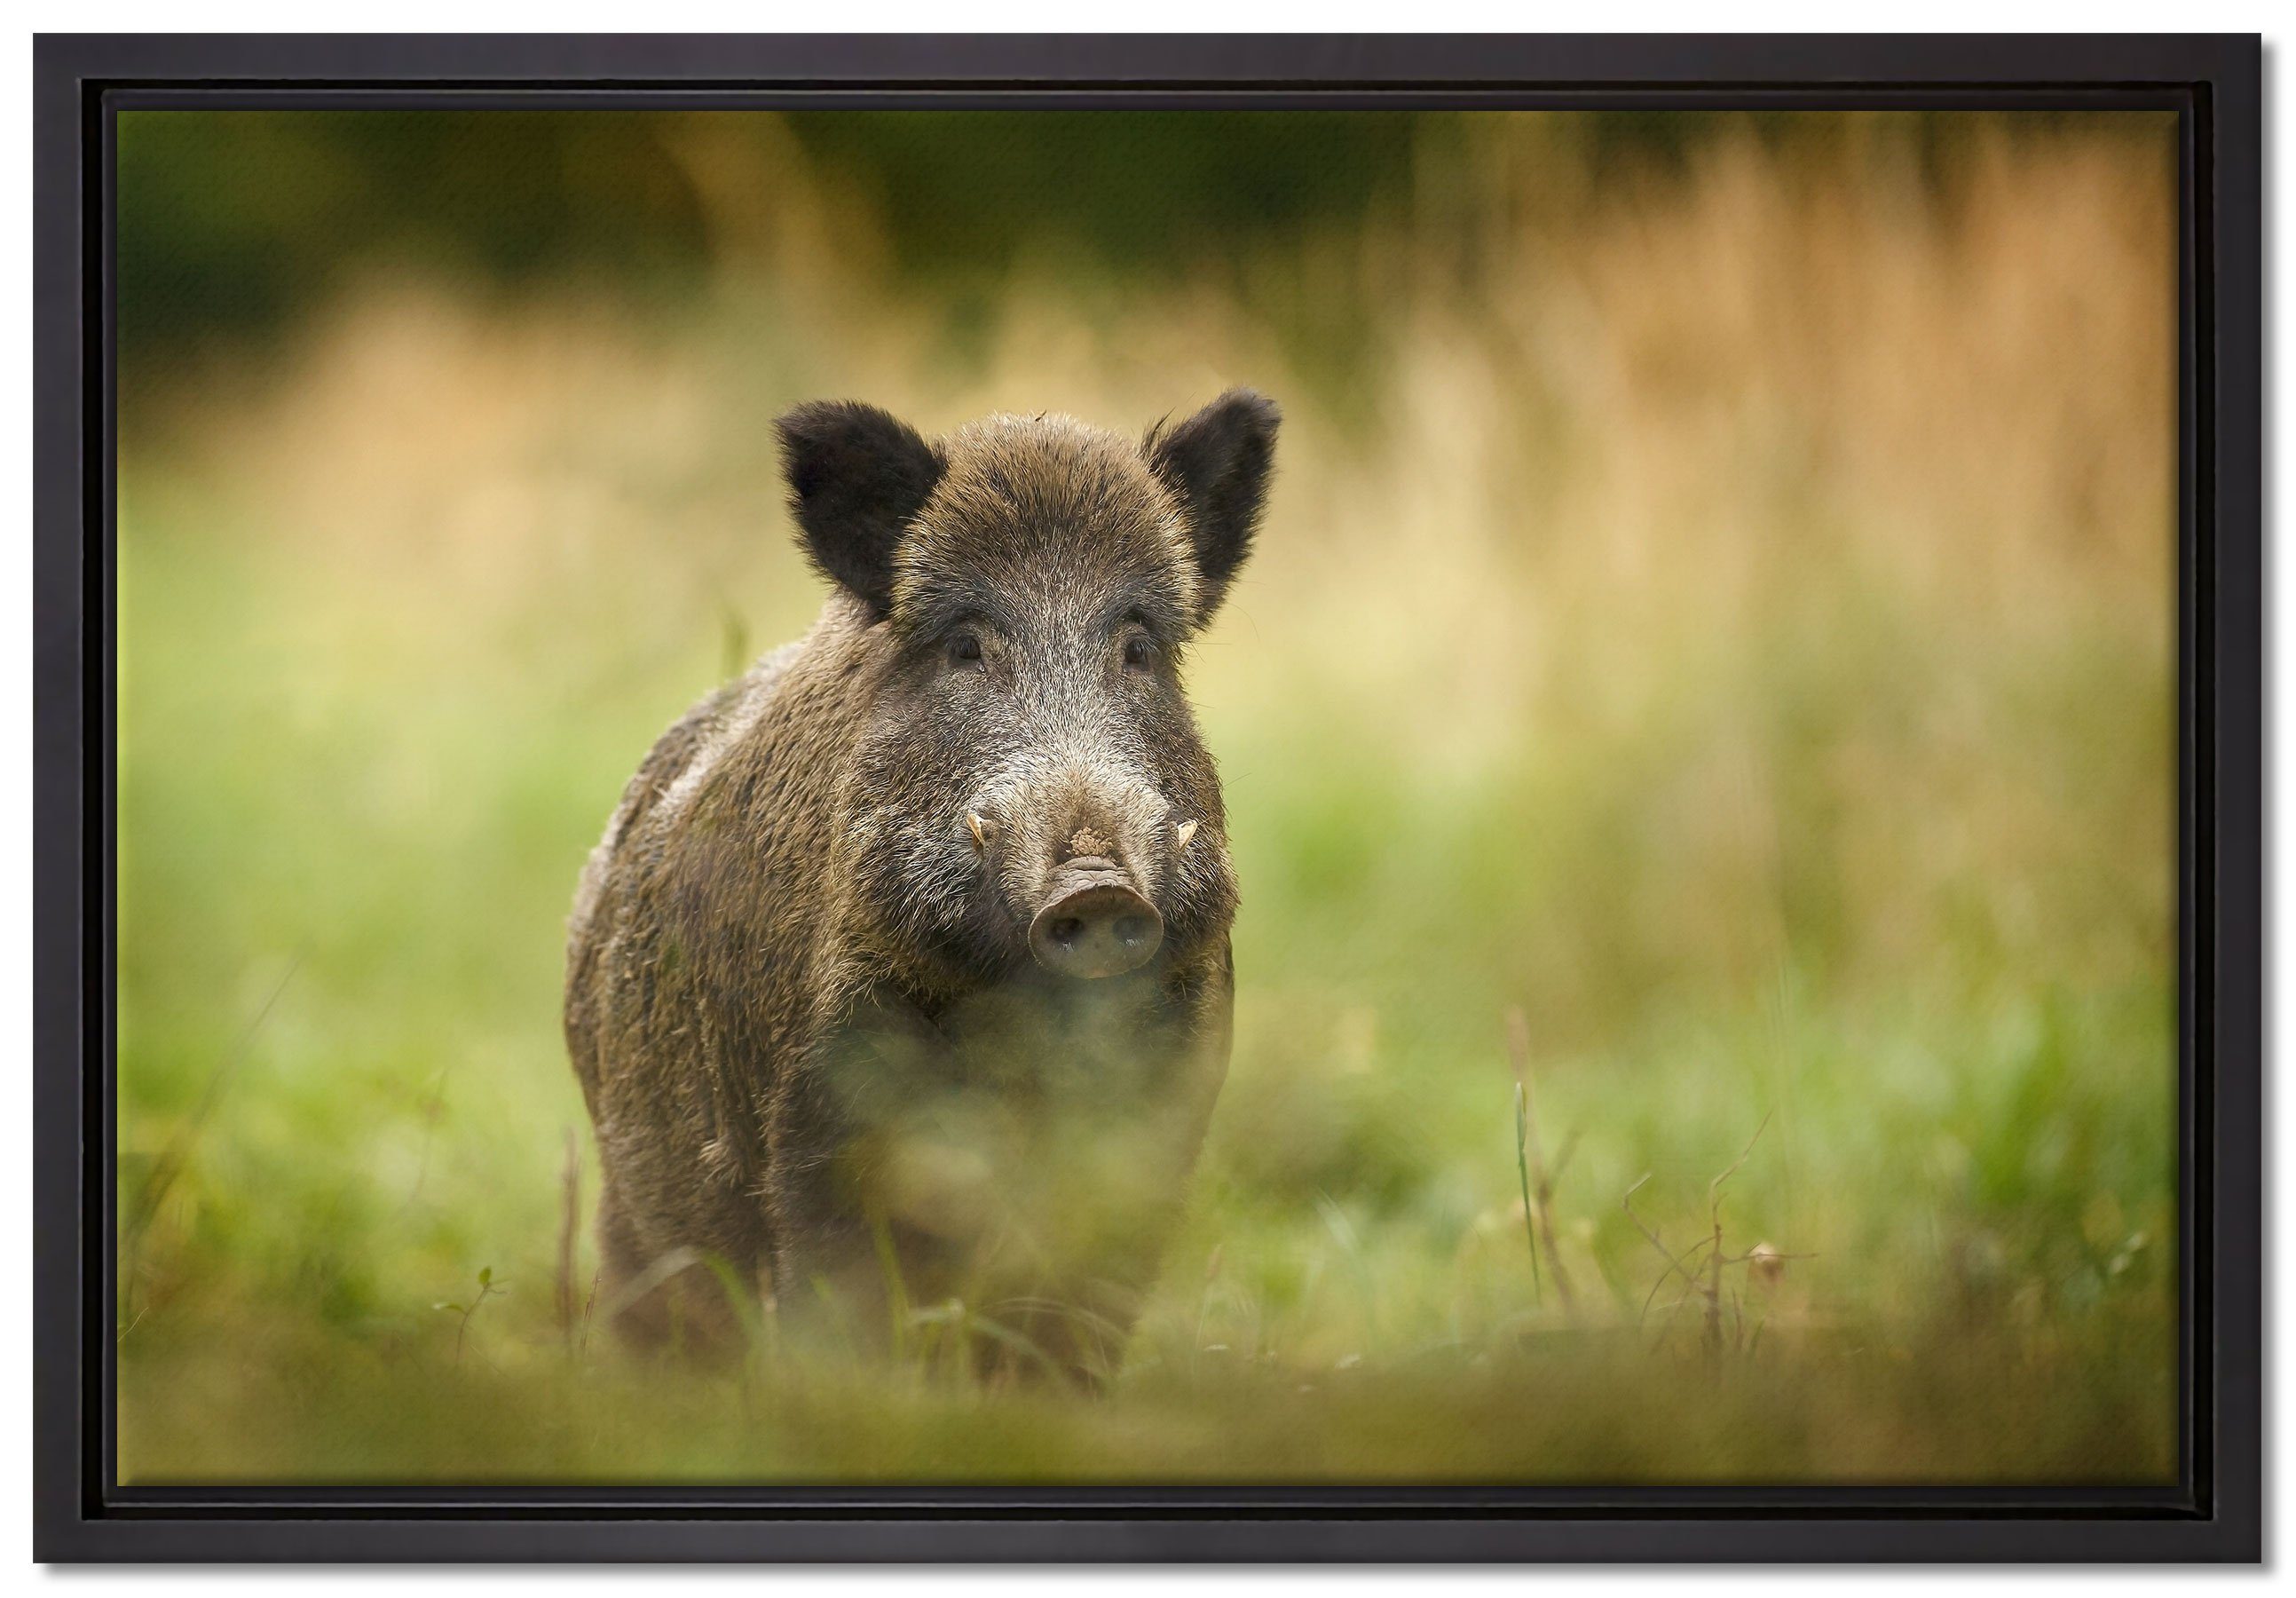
x=2214, y=82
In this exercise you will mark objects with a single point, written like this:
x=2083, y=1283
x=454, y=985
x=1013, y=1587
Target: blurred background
x=1716, y=605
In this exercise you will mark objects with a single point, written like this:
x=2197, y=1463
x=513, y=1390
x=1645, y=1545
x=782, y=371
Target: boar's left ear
x=1215, y=463
x=856, y=476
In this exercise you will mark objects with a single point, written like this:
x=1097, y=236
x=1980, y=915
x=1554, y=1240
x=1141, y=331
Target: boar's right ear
x=856, y=476
x=1215, y=463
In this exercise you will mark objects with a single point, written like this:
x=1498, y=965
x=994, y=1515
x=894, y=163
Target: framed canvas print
x=1154, y=798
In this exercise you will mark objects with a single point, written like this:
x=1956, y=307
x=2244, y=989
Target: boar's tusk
x=983, y=831
x=1188, y=831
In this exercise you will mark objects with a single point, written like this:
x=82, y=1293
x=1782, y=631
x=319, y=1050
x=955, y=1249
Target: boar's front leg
x=848, y=1148
x=1130, y=1160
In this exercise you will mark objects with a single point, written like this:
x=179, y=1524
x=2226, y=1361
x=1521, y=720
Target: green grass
x=1972, y=1163
x=1585, y=1408
x=1793, y=752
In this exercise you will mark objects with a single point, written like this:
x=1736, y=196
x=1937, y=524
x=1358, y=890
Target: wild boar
x=900, y=981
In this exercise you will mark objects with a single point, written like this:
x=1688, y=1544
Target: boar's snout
x=1093, y=923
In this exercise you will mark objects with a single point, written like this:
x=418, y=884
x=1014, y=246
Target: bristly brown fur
x=799, y=992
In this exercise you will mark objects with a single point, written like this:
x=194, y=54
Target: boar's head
x=1031, y=791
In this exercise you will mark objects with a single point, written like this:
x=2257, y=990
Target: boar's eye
x=1139, y=652
x=964, y=649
